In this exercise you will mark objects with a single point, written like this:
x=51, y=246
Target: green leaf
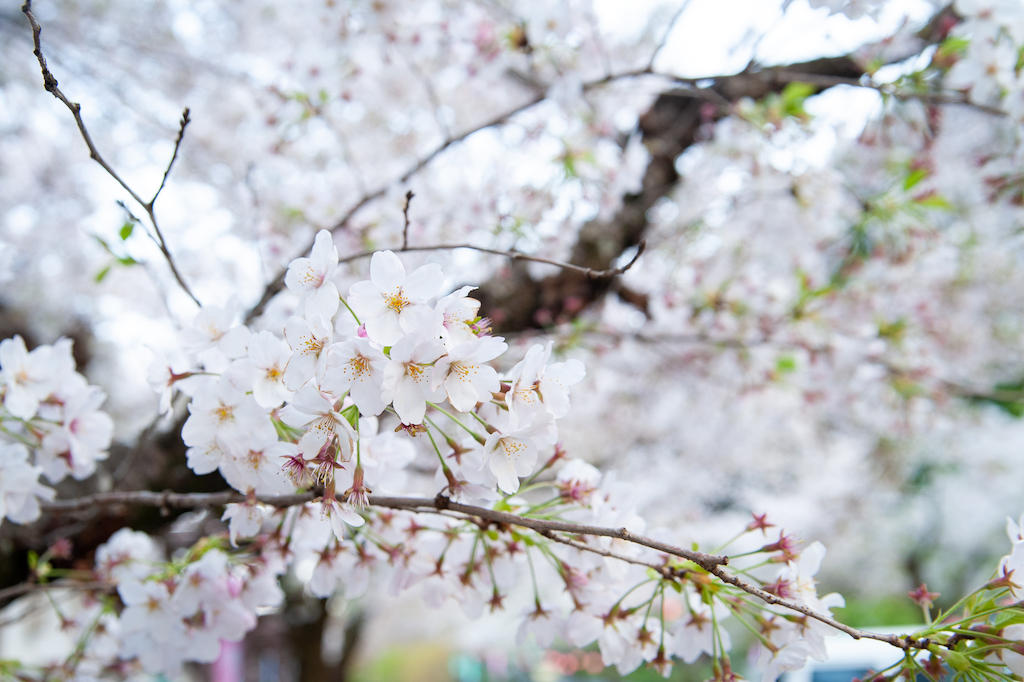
x=127, y=260
x=894, y=331
x=285, y=432
x=932, y=200
x=351, y=414
x=953, y=45
x=955, y=659
x=785, y=364
x=915, y=176
x=103, y=242
x=126, y=230
x=793, y=97
x=102, y=274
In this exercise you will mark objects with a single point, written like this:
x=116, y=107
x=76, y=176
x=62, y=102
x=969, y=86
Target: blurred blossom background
x=824, y=325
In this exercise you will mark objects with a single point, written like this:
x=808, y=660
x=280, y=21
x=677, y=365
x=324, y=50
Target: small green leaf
x=351, y=414
x=894, y=331
x=785, y=364
x=103, y=242
x=915, y=176
x=126, y=230
x=953, y=45
x=127, y=260
x=102, y=274
x=793, y=97
x=932, y=200
x=955, y=659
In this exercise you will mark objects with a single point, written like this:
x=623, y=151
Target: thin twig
x=405, y=215
x=668, y=32
x=663, y=569
x=185, y=120
x=26, y=588
x=540, y=525
x=50, y=84
x=905, y=643
x=514, y=255
x=826, y=81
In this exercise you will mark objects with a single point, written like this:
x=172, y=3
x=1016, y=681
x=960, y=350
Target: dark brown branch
x=167, y=500
x=50, y=84
x=711, y=563
x=172, y=500
x=405, y=216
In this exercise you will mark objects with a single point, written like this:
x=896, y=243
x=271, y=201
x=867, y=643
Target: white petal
x=386, y=271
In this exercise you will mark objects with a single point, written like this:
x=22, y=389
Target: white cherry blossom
x=313, y=277
x=464, y=374
x=408, y=377
x=391, y=302
x=356, y=366
x=20, y=489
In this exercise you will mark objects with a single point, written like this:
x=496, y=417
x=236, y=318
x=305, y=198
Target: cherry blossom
x=313, y=277
x=393, y=302
x=20, y=490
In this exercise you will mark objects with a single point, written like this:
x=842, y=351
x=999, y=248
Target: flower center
x=414, y=371
x=359, y=365
x=313, y=345
x=224, y=413
x=396, y=300
x=512, y=447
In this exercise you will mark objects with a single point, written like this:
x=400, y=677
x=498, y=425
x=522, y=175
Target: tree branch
x=50, y=84
x=277, y=284
x=713, y=564
x=27, y=588
x=185, y=120
x=668, y=32
x=405, y=216
x=513, y=255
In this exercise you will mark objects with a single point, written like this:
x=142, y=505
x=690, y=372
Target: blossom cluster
x=311, y=400
x=166, y=612
x=50, y=425
x=989, y=67
x=304, y=412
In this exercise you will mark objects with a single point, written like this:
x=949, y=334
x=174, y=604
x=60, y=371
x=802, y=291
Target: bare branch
x=513, y=255
x=405, y=215
x=185, y=120
x=50, y=84
x=663, y=569
x=668, y=32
